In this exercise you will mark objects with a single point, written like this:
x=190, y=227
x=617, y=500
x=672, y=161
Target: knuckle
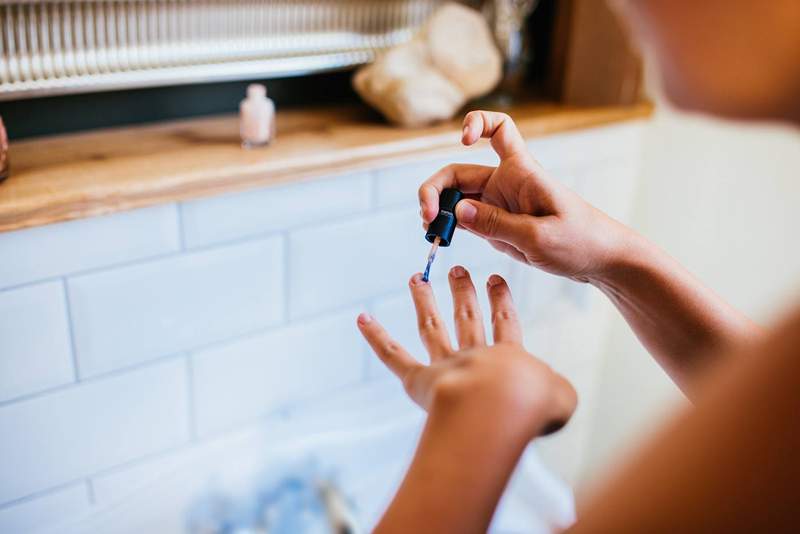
x=466, y=313
x=505, y=314
x=390, y=348
x=492, y=221
x=429, y=323
x=541, y=236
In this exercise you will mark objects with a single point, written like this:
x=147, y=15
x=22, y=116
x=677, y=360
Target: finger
x=395, y=357
x=431, y=327
x=505, y=325
x=466, y=312
x=493, y=222
x=467, y=178
x=499, y=128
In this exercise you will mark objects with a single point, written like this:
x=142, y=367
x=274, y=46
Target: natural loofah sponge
x=451, y=60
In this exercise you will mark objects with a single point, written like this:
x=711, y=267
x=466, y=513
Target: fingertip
x=428, y=202
x=458, y=272
x=465, y=136
x=494, y=281
x=416, y=280
x=364, y=319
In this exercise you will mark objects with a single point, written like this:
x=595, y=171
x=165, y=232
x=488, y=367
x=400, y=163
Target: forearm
x=680, y=322
x=462, y=464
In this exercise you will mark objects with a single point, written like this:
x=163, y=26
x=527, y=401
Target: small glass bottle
x=256, y=117
x=5, y=167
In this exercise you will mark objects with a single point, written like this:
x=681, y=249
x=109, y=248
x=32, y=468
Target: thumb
x=493, y=222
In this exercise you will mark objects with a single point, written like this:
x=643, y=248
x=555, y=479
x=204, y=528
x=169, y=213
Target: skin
x=729, y=463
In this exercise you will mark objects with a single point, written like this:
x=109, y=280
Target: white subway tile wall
x=35, y=340
x=132, y=314
x=230, y=217
x=61, y=249
x=254, y=376
x=130, y=339
x=44, y=512
x=61, y=437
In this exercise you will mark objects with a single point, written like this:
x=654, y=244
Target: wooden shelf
x=67, y=177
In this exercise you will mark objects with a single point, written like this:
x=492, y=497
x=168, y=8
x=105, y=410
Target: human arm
x=729, y=464
x=485, y=403
x=522, y=211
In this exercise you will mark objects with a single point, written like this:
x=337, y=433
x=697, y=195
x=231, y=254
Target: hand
x=522, y=211
x=491, y=379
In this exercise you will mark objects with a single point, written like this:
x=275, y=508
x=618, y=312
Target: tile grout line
x=179, y=219
x=91, y=379
x=287, y=273
x=248, y=239
x=90, y=491
x=286, y=410
x=190, y=392
x=41, y=493
x=71, y=329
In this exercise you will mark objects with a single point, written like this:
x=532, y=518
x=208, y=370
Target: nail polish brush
x=440, y=231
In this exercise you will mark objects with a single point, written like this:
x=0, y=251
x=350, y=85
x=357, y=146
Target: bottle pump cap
x=445, y=223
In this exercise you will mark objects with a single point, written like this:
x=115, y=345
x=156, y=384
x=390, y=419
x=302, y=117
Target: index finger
x=466, y=177
x=395, y=357
x=498, y=127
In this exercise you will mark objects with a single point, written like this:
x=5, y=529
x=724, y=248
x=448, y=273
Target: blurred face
x=735, y=58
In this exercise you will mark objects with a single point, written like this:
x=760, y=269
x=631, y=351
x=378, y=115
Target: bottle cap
x=256, y=91
x=445, y=223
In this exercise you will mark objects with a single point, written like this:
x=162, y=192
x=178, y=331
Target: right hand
x=524, y=212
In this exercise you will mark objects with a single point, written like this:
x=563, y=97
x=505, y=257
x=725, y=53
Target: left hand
x=488, y=380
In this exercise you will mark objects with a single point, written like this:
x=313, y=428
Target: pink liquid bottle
x=256, y=117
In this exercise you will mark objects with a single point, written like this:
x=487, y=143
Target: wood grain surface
x=67, y=177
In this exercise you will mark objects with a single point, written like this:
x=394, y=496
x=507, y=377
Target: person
x=730, y=462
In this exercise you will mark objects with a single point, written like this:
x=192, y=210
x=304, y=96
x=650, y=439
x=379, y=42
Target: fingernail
x=494, y=280
x=458, y=272
x=416, y=280
x=364, y=318
x=466, y=212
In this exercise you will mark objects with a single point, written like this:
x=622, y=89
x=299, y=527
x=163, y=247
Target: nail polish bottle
x=5, y=167
x=440, y=230
x=256, y=117
x=445, y=223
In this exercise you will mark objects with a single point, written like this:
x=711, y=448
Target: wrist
x=630, y=253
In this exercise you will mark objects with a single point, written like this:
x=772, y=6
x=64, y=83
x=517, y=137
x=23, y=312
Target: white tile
x=35, y=351
x=222, y=218
x=64, y=436
x=46, y=512
x=612, y=187
x=129, y=315
x=572, y=150
x=339, y=264
x=347, y=262
x=245, y=379
x=58, y=249
x=397, y=185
